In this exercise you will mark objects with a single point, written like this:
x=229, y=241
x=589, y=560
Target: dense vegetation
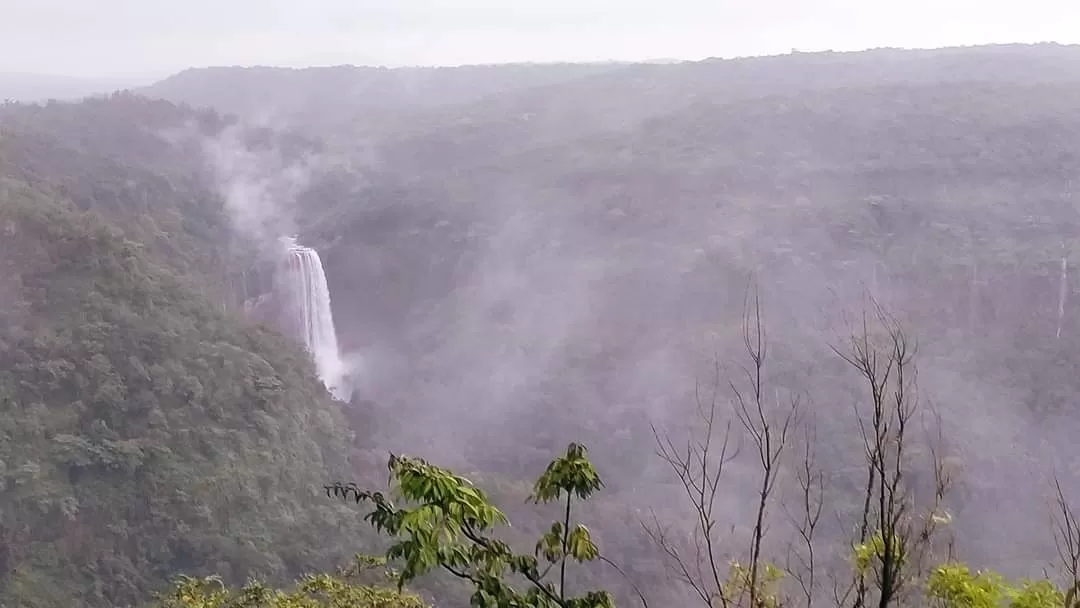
x=344, y=102
x=446, y=523
x=529, y=255
x=548, y=261
x=146, y=431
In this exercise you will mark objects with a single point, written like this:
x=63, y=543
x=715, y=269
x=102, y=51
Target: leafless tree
x=802, y=560
x=891, y=536
x=923, y=550
x=700, y=464
x=769, y=431
x=1067, y=541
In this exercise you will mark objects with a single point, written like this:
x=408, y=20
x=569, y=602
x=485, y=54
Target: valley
x=483, y=264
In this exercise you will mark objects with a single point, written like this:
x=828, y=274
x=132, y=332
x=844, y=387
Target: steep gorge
x=147, y=427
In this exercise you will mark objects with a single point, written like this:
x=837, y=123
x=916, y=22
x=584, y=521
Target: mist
x=479, y=265
x=533, y=309
x=580, y=304
x=259, y=186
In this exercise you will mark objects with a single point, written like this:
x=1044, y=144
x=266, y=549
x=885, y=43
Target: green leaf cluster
x=312, y=591
x=444, y=522
x=954, y=585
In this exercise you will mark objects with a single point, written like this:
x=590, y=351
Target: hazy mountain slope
x=560, y=262
x=160, y=171
x=177, y=218
x=618, y=102
x=122, y=127
x=144, y=433
x=327, y=98
x=523, y=283
x=681, y=177
x=361, y=106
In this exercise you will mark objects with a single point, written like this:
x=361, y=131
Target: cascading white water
x=307, y=298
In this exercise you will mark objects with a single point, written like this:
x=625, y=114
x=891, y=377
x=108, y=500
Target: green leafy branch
x=448, y=524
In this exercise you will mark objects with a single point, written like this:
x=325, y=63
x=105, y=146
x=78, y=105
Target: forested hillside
x=363, y=99
x=559, y=260
x=520, y=257
x=146, y=431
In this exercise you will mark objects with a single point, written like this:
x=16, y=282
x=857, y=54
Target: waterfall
x=1062, y=292
x=307, y=311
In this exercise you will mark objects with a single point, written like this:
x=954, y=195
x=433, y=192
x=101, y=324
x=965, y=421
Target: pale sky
x=99, y=38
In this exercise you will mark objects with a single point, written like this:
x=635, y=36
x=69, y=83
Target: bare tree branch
x=1067, y=541
x=811, y=504
x=770, y=436
x=700, y=466
x=894, y=538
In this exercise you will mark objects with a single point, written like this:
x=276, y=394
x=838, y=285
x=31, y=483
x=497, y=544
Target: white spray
x=307, y=298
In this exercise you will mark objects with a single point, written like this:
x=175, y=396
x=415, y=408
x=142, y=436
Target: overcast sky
x=156, y=37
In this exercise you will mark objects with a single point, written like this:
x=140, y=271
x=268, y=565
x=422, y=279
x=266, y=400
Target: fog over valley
x=412, y=306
